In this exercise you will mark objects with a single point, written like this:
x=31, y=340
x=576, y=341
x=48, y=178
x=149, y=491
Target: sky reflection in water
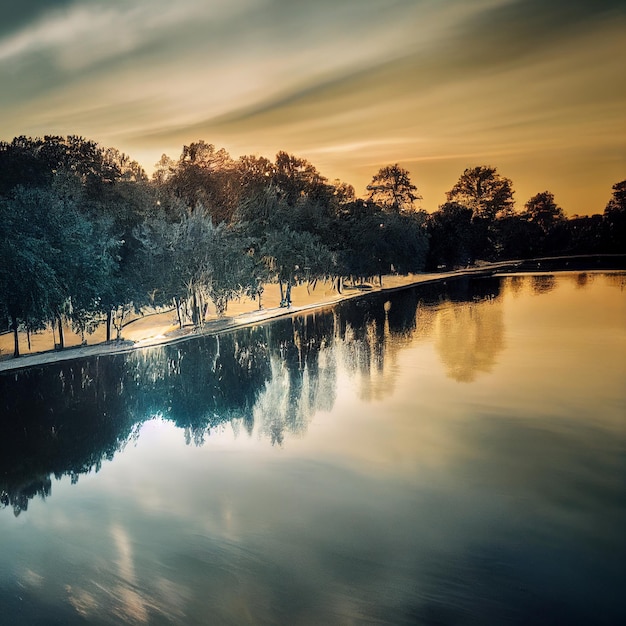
x=455, y=460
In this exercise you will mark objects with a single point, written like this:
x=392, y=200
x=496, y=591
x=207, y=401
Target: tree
x=617, y=203
x=29, y=286
x=35, y=162
x=517, y=238
x=392, y=190
x=382, y=242
x=542, y=210
x=233, y=270
x=54, y=264
x=615, y=218
x=451, y=236
x=254, y=174
x=294, y=257
x=483, y=190
x=295, y=177
x=203, y=175
x=191, y=261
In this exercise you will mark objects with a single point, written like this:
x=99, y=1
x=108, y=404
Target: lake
x=446, y=454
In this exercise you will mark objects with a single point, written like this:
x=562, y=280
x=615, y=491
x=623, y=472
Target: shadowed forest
x=87, y=236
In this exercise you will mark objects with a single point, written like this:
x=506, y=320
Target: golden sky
x=536, y=88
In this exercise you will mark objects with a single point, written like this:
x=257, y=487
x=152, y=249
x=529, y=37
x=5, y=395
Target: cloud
x=16, y=15
x=406, y=80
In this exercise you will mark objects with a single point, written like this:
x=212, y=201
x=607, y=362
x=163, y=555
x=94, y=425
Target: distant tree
x=34, y=162
x=262, y=209
x=391, y=189
x=451, y=234
x=542, y=210
x=343, y=192
x=617, y=203
x=193, y=240
x=254, y=174
x=295, y=177
x=483, y=190
x=163, y=170
x=29, y=286
x=615, y=219
x=234, y=271
x=192, y=262
x=517, y=238
x=587, y=234
x=383, y=242
x=20, y=165
x=203, y=175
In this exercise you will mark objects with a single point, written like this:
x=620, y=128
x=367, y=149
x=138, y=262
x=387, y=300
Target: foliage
x=615, y=218
x=31, y=162
x=391, y=189
x=451, y=236
x=484, y=191
x=294, y=257
x=381, y=243
x=84, y=234
x=542, y=210
x=55, y=262
x=203, y=175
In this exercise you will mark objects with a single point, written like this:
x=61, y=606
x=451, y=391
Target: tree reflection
x=67, y=418
x=515, y=284
x=469, y=338
x=583, y=279
x=61, y=420
x=616, y=280
x=543, y=284
x=303, y=377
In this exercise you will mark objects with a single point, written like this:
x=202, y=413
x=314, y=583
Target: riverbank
x=160, y=327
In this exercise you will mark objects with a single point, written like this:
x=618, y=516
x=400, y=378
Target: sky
x=535, y=88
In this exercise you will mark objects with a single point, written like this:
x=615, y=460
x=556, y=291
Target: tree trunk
x=179, y=313
x=338, y=284
x=195, y=310
x=288, y=293
x=108, y=323
x=61, y=334
x=118, y=327
x=16, y=337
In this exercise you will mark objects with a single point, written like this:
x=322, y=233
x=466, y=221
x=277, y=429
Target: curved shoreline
x=250, y=318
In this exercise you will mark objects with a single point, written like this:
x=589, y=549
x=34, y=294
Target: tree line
x=87, y=236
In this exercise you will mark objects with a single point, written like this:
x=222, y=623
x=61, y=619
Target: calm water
x=434, y=456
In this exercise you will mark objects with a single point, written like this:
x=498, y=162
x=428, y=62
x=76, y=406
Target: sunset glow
x=533, y=88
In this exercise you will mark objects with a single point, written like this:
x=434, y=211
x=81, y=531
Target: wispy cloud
x=352, y=84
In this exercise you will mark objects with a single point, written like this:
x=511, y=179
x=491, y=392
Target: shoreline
x=218, y=326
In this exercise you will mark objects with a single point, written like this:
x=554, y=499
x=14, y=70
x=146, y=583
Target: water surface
x=449, y=455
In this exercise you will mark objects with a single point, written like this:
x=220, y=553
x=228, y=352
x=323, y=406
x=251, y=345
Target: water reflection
x=68, y=418
x=469, y=338
x=333, y=468
x=543, y=283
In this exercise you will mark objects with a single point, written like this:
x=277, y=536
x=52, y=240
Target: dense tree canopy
x=55, y=261
x=542, y=210
x=483, y=190
x=615, y=218
x=85, y=236
x=391, y=189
